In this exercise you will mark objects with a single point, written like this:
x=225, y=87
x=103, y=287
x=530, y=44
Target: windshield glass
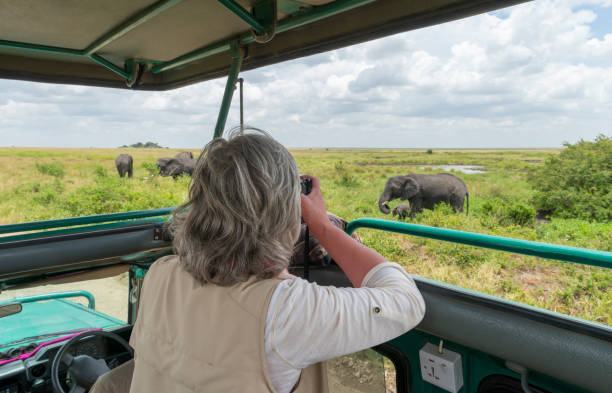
x=490, y=99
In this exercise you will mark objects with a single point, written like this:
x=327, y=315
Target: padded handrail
x=74, y=221
x=526, y=247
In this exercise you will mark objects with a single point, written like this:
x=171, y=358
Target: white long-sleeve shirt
x=307, y=323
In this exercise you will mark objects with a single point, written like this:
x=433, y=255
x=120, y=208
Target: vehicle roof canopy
x=160, y=45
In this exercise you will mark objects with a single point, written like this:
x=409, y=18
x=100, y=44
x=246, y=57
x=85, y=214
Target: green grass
x=41, y=184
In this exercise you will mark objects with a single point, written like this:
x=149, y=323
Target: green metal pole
x=322, y=12
x=229, y=89
x=198, y=54
x=41, y=48
x=542, y=250
x=244, y=15
x=142, y=17
x=316, y=14
x=67, y=222
x=102, y=61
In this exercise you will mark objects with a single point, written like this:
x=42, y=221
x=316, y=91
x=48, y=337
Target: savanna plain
x=39, y=184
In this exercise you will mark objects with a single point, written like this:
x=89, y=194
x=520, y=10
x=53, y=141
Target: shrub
x=347, y=181
x=429, y=151
x=100, y=171
x=577, y=183
x=51, y=168
x=151, y=168
x=508, y=213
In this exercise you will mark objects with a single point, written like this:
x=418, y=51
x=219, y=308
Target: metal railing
x=526, y=247
x=91, y=302
x=75, y=221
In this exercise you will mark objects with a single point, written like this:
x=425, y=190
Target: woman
x=224, y=315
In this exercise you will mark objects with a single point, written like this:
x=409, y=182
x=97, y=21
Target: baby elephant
x=401, y=211
x=124, y=164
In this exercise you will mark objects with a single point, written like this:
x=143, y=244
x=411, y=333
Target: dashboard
x=34, y=374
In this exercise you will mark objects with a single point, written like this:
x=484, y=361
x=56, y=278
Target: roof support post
x=230, y=86
x=244, y=15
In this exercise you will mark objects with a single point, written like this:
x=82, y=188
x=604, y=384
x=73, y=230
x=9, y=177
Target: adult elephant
x=182, y=163
x=184, y=155
x=124, y=164
x=425, y=191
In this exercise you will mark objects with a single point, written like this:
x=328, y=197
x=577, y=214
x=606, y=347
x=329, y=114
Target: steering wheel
x=84, y=370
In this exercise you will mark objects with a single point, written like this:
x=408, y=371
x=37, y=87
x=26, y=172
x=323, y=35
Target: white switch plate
x=441, y=369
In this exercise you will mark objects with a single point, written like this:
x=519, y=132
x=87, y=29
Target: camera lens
x=306, y=186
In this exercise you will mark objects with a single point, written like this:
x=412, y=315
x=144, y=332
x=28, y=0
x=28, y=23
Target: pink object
x=44, y=344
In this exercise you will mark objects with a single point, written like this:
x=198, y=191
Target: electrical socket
x=441, y=369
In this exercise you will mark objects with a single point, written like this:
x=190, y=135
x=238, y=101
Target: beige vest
x=205, y=338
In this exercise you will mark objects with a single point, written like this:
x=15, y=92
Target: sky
x=533, y=75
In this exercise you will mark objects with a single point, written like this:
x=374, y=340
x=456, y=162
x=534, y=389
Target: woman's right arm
x=308, y=323
x=355, y=259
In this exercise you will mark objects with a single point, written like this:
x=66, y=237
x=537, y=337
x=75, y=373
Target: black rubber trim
x=534, y=315
x=400, y=362
x=498, y=383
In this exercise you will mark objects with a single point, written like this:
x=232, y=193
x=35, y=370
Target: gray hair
x=243, y=213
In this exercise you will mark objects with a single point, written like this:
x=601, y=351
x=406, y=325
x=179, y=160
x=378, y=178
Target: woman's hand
x=314, y=212
x=355, y=259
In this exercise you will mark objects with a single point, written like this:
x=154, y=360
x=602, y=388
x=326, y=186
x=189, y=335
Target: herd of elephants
x=421, y=191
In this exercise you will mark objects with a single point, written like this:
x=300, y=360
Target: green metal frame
x=476, y=366
x=65, y=231
x=66, y=222
x=129, y=72
x=230, y=86
x=90, y=51
x=317, y=13
x=244, y=15
x=542, y=250
x=56, y=295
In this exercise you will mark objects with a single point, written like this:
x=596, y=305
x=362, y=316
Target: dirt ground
x=356, y=374
x=111, y=294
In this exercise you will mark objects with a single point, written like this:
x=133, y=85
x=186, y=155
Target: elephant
x=184, y=155
x=177, y=165
x=317, y=255
x=425, y=191
x=401, y=211
x=124, y=164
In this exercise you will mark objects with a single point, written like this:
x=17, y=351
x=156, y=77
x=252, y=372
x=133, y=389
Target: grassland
x=38, y=184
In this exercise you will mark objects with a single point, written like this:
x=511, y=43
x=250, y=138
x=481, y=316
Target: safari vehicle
x=468, y=341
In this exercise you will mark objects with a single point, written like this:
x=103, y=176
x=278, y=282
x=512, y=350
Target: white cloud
x=530, y=75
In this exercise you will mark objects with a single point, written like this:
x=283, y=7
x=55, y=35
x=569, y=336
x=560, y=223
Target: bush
x=429, y=151
x=348, y=181
x=51, y=168
x=100, y=171
x=151, y=168
x=577, y=183
x=508, y=213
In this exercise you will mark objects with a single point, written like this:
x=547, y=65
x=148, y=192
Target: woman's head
x=243, y=213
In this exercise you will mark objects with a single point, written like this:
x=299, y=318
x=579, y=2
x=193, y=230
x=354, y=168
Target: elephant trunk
x=382, y=203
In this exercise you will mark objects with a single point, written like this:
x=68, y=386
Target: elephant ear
x=410, y=188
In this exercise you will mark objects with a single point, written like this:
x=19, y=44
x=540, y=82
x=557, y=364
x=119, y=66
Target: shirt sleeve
x=307, y=323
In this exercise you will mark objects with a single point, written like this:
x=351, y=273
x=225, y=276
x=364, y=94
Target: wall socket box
x=441, y=369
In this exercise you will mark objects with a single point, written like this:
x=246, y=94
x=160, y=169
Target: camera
x=306, y=185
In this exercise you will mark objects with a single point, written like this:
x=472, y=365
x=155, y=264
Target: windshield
x=490, y=99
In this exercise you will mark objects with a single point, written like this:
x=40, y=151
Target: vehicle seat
x=117, y=380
